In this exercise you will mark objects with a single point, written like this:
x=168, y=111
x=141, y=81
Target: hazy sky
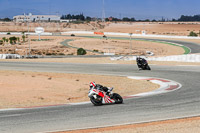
x=139, y=9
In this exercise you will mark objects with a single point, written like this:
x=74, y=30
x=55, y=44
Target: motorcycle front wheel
x=118, y=99
x=148, y=68
x=96, y=102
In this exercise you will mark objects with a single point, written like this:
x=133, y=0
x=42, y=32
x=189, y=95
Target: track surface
x=184, y=102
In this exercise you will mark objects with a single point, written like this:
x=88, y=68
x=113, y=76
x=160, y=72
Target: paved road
x=195, y=47
x=184, y=102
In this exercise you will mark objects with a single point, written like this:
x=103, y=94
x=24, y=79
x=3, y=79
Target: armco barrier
x=133, y=35
x=106, y=33
x=179, y=58
x=9, y=56
x=20, y=33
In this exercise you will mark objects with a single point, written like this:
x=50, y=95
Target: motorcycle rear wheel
x=118, y=99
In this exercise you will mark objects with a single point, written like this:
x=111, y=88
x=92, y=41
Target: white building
x=36, y=18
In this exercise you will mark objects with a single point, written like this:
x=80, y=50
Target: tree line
x=6, y=19
x=189, y=18
x=81, y=17
x=129, y=19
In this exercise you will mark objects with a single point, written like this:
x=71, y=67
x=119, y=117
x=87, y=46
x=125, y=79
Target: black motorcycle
x=142, y=64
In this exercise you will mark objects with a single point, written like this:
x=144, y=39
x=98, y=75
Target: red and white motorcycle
x=99, y=97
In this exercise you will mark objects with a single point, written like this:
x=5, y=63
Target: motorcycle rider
x=140, y=61
x=100, y=87
x=142, y=64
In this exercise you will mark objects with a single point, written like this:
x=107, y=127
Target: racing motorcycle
x=99, y=97
x=142, y=64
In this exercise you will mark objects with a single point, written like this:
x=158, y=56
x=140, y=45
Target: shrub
x=48, y=53
x=95, y=50
x=54, y=53
x=193, y=34
x=23, y=38
x=81, y=51
x=39, y=53
x=1, y=42
x=13, y=40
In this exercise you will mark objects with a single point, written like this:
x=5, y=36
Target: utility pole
x=27, y=20
x=29, y=40
x=130, y=43
x=103, y=13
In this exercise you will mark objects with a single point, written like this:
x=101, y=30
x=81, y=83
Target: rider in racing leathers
x=100, y=87
x=140, y=61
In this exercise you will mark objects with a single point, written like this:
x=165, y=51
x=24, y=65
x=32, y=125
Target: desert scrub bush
x=48, y=53
x=54, y=53
x=193, y=34
x=81, y=51
x=39, y=53
x=95, y=50
x=1, y=42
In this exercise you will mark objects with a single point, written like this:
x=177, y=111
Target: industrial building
x=36, y=18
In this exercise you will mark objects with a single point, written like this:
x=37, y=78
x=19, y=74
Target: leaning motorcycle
x=99, y=97
x=143, y=64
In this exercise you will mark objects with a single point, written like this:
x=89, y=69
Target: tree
x=6, y=19
x=81, y=17
x=189, y=18
x=133, y=19
x=69, y=16
x=173, y=20
x=63, y=17
x=88, y=18
x=81, y=51
x=147, y=20
x=126, y=19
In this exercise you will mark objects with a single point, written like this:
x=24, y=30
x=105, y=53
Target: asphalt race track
x=184, y=102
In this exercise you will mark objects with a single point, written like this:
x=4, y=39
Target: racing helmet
x=92, y=85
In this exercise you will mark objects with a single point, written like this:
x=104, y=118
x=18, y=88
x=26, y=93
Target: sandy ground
x=156, y=28
x=120, y=47
x=187, y=125
x=160, y=28
x=125, y=47
x=27, y=89
x=51, y=46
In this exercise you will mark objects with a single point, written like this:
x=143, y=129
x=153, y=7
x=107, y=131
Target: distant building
x=36, y=18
